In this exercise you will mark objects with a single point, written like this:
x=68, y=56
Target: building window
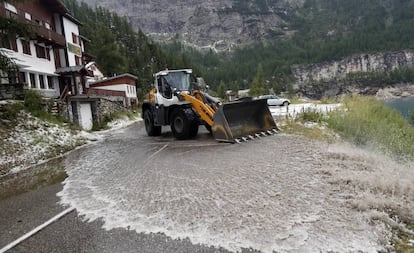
x=50, y=83
x=22, y=76
x=26, y=47
x=13, y=44
x=75, y=39
x=47, y=53
x=39, y=22
x=42, y=81
x=78, y=60
x=8, y=43
x=10, y=7
x=28, y=16
x=32, y=80
x=10, y=11
x=42, y=52
x=57, y=58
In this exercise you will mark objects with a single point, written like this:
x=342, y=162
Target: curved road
x=133, y=193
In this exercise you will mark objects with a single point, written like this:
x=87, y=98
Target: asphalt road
x=72, y=233
x=133, y=193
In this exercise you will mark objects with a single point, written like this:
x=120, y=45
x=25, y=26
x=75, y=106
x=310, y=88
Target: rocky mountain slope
x=327, y=45
x=385, y=62
x=207, y=24
x=336, y=77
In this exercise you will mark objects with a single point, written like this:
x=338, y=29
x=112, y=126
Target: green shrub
x=328, y=100
x=367, y=121
x=103, y=124
x=310, y=116
x=10, y=111
x=33, y=103
x=38, y=107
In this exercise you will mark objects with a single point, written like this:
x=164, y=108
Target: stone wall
x=106, y=107
x=11, y=91
x=101, y=109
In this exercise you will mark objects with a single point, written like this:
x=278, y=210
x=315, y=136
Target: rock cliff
x=206, y=23
x=357, y=63
x=327, y=79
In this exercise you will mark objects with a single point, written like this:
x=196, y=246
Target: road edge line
x=37, y=229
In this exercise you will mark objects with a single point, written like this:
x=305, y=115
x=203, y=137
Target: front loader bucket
x=242, y=119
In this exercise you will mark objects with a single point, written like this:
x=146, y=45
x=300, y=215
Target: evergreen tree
x=221, y=90
x=235, y=86
x=258, y=86
x=107, y=55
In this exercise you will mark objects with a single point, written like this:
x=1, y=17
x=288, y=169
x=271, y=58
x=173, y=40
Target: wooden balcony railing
x=43, y=34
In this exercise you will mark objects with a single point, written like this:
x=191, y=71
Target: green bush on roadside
x=10, y=111
x=311, y=116
x=103, y=124
x=367, y=121
x=328, y=100
x=33, y=102
x=38, y=107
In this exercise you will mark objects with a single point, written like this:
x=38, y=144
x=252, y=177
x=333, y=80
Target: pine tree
x=221, y=90
x=258, y=86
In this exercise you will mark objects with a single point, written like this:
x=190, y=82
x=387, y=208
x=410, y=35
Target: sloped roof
x=110, y=79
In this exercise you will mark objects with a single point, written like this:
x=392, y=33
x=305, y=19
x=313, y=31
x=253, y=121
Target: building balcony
x=41, y=33
x=49, y=37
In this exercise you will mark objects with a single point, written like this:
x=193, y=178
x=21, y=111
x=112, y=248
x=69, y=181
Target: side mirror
x=176, y=92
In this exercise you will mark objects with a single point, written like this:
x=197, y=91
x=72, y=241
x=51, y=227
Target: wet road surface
x=133, y=193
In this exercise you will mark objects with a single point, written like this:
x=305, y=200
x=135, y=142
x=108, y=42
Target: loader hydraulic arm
x=205, y=111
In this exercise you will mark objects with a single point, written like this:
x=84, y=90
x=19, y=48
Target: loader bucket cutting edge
x=242, y=118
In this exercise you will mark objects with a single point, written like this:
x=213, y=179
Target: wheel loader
x=177, y=100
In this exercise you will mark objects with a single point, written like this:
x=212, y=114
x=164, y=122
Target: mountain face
x=207, y=23
x=335, y=70
x=328, y=79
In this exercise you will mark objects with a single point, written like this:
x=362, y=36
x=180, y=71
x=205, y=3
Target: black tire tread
x=190, y=123
x=151, y=129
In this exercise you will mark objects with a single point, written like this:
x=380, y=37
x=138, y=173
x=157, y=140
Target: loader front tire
x=208, y=128
x=183, y=123
x=151, y=129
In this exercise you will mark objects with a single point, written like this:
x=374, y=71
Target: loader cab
x=176, y=80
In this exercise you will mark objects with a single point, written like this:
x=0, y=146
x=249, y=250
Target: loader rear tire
x=183, y=123
x=151, y=129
